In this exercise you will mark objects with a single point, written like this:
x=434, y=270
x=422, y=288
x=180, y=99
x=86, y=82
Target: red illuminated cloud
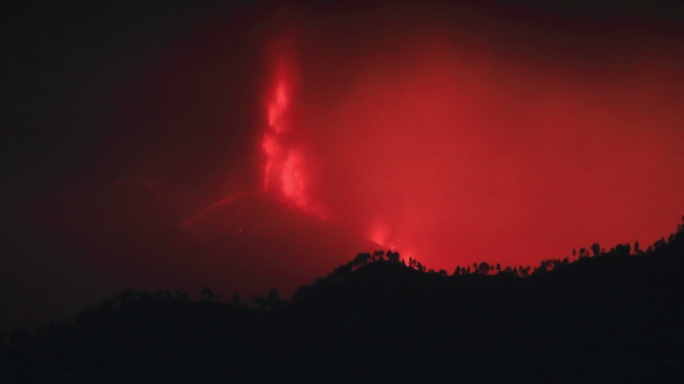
x=456, y=139
x=286, y=173
x=456, y=149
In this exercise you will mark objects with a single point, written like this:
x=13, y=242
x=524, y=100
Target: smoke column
x=286, y=167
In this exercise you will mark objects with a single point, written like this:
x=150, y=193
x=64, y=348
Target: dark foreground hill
x=616, y=317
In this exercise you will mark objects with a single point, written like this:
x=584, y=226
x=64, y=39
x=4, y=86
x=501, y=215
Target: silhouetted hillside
x=616, y=316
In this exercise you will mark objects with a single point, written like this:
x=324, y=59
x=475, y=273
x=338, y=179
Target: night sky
x=246, y=146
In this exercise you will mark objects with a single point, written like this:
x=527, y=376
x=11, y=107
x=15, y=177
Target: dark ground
x=613, y=317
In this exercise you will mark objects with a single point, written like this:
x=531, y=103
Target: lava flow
x=286, y=168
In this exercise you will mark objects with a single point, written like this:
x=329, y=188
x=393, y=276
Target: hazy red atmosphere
x=262, y=146
x=497, y=141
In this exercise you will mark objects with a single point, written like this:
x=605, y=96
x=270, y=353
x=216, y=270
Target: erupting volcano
x=252, y=146
x=453, y=149
x=279, y=229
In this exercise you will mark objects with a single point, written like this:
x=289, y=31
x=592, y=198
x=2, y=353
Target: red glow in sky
x=456, y=149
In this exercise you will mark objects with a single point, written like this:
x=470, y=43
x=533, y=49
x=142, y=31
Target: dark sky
x=505, y=131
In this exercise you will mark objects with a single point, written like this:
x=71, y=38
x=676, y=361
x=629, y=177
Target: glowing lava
x=286, y=173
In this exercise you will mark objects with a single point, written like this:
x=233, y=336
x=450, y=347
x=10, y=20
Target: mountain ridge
x=613, y=317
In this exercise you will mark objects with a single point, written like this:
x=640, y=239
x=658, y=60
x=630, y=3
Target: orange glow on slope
x=286, y=164
x=379, y=233
x=198, y=217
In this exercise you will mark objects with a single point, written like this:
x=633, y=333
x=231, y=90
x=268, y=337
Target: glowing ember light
x=200, y=216
x=277, y=107
x=379, y=233
x=285, y=165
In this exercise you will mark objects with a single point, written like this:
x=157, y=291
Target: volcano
x=251, y=242
x=246, y=244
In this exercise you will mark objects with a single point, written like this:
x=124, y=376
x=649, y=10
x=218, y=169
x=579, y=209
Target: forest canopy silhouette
x=608, y=316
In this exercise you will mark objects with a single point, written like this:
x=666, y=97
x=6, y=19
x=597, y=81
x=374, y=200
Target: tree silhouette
x=366, y=316
x=596, y=249
x=207, y=294
x=361, y=259
x=273, y=300
x=393, y=256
